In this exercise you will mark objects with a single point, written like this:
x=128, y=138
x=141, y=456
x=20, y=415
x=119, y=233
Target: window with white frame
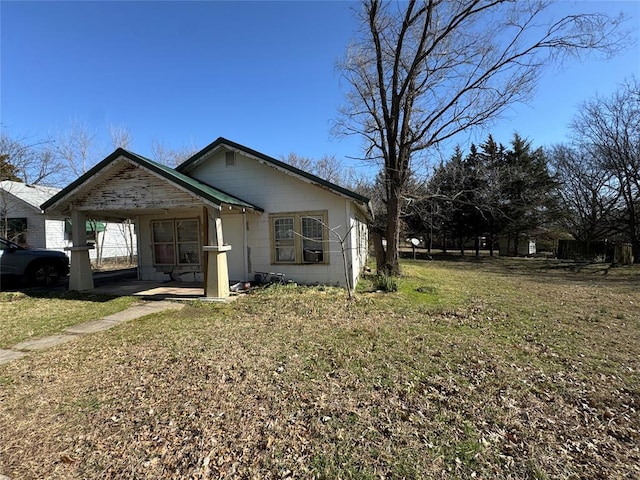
x=176, y=242
x=299, y=238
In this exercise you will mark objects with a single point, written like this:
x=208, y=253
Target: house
x=227, y=214
x=23, y=222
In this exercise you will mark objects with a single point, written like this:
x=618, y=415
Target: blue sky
x=259, y=73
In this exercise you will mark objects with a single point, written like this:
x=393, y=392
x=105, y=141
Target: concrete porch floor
x=152, y=290
x=124, y=282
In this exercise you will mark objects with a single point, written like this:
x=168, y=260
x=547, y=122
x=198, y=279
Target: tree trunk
x=128, y=224
x=378, y=248
x=392, y=263
x=477, y=245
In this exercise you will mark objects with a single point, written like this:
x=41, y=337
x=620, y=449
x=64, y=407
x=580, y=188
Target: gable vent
x=230, y=158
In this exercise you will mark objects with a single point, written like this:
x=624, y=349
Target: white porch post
x=80, y=277
x=216, y=258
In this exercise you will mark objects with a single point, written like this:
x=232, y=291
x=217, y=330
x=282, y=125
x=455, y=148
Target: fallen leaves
x=290, y=384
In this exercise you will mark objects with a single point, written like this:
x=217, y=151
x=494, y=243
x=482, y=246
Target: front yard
x=40, y=313
x=497, y=368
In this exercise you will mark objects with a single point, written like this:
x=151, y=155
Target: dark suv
x=38, y=267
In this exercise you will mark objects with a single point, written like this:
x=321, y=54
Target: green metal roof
x=193, y=161
x=196, y=187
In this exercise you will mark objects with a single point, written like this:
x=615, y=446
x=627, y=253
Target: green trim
x=211, y=194
x=90, y=226
x=193, y=161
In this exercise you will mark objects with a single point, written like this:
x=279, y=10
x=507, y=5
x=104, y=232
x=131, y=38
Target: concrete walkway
x=71, y=333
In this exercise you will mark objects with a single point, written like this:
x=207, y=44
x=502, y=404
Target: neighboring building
x=23, y=222
x=229, y=213
x=507, y=246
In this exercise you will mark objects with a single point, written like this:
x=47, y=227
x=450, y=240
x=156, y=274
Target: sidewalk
x=71, y=333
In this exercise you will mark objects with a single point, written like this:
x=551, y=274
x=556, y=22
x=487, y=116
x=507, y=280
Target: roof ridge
x=278, y=163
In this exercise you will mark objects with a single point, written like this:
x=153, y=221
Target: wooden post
x=205, y=253
x=80, y=277
x=217, y=272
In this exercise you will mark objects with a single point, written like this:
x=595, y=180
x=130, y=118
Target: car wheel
x=44, y=275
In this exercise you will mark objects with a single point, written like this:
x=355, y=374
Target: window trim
x=175, y=243
x=298, y=239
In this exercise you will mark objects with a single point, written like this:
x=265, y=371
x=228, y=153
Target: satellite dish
x=415, y=242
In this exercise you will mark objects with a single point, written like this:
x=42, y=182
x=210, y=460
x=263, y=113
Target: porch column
x=217, y=285
x=80, y=277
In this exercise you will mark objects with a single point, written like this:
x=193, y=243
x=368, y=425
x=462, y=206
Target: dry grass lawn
x=474, y=369
x=24, y=316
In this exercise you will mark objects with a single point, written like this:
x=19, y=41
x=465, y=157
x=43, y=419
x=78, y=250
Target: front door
x=233, y=232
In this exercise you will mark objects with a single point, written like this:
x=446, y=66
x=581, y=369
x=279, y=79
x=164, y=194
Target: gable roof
x=196, y=187
x=32, y=195
x=199, y=157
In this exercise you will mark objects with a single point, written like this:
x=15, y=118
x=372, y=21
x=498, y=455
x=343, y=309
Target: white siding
x=114, y=241
x=47, y=232
x=55, y=235
x=278, y=192
x=13, y=207
x=358, y=246
x=232, y=228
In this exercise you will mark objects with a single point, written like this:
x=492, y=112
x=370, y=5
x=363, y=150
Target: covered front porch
x=178, y=222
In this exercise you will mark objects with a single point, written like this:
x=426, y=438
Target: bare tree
x=588, y=194
x=328, y=168
x=78, y=150
x=121, y=138
x=76, y=147
x=119, y=135
x=609, y=129
x=424, y=71
x=32, y=161
x=171, y=156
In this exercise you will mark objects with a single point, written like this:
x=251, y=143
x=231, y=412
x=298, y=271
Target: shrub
x=386, y=283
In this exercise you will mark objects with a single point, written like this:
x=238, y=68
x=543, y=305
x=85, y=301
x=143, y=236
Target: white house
x=227, y=214
x=22, y=221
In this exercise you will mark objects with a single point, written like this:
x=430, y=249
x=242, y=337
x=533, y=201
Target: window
x=176, y=242
x=285, y=241
x=299, y=238
x=14, y=230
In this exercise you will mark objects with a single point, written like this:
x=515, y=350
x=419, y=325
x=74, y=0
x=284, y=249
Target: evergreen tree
x=7, y=170
x=529, y=191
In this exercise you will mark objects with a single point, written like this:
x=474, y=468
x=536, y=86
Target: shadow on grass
x=57, y=294
x=61, y=289
x=10, y=290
